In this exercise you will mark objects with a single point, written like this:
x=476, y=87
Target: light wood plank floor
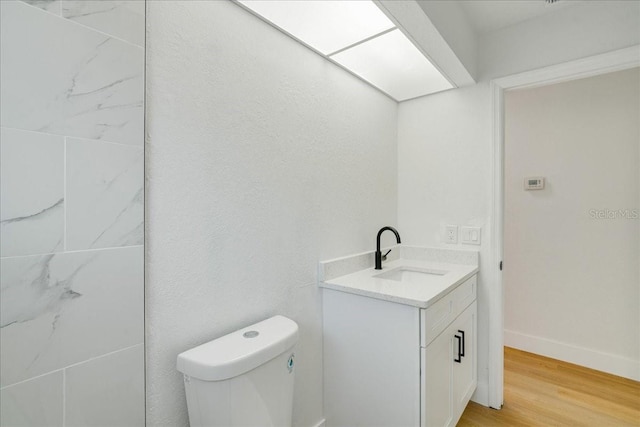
x=539, y=391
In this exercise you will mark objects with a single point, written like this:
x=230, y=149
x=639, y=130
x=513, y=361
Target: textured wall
x=582, y=30
x=571, y=253
x=263, y=158
x=72, y=158
x=444, y=177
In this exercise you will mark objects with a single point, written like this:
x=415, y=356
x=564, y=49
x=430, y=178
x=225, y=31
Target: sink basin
x=409, y=274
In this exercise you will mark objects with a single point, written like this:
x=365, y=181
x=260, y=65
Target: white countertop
x=419, y=293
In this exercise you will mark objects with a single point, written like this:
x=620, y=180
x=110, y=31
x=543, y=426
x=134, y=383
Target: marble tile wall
x=71, y=213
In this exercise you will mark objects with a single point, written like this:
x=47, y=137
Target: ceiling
x=486, y=16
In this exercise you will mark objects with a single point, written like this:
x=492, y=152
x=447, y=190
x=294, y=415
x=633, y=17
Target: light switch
x=470, y=235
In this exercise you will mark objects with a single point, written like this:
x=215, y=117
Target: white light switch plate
x=470, y=235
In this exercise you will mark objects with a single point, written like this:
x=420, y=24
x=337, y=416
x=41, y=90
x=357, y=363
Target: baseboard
x=605, y=362
x=320, y=423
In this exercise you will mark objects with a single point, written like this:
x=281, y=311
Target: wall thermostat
x=534, y=183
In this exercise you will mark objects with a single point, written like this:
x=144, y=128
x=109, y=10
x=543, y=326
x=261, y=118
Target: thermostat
x=534, y=183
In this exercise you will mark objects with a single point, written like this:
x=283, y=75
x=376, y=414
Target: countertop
x=419, y=293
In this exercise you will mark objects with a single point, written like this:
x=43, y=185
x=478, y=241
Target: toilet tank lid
x=240, y=351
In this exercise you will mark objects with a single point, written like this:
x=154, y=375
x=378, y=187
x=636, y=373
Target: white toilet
x=244, y=378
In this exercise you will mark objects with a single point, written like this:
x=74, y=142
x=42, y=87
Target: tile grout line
x=64, y=397
x=85, y=140
x=144, y=217
x=4, y=387
x=66, y=202
x=91, y=359
x=111, y=36
x=82, y=25
x=64, y=368
x=82, y=138
x=73, y=252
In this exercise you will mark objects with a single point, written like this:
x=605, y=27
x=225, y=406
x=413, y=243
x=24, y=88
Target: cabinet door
x=464, y=372
x=437, y=409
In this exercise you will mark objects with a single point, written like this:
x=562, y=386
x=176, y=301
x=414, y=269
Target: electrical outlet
x=451, y=234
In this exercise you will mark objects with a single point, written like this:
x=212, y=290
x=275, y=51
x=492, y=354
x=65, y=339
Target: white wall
x=582, y=30
x=572, y=288
x=262, y=159
x=444, y=177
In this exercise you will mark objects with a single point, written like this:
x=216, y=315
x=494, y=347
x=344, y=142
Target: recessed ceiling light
x=326, y=26
x=394, y=65
x=358, y=36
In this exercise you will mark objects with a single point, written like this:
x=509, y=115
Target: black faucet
x=378, y=253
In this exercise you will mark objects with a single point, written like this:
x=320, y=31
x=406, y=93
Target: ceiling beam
x=413, y=21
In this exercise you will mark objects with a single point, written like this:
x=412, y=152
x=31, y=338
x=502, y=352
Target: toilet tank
x=244, y=378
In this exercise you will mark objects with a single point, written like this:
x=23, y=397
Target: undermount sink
x=409, y=274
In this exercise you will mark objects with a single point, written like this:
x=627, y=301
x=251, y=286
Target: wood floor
x=539, y=391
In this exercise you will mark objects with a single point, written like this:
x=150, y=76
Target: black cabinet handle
x=462, y=333
x=458, y=359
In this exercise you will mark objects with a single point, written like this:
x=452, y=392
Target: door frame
x=617, y=60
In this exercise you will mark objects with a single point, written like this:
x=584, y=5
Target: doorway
x=601, y=64
x=571, y=221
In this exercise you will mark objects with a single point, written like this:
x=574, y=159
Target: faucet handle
x=384, y=257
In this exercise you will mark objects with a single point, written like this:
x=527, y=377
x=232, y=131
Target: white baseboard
x=320, y=423
x=605, y=362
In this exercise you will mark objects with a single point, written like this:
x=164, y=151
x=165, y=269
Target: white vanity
x=399, y=343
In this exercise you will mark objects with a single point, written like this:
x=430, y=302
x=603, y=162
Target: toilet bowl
x=244, y=378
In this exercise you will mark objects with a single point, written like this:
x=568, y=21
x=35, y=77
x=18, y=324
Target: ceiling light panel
x=394, y=65
x=326, y=26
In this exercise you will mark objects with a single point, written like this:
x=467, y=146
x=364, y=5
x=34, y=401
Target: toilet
x=244, y=378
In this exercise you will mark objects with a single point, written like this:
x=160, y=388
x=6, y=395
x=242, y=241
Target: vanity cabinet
x=450, y=377
x=393, y=364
